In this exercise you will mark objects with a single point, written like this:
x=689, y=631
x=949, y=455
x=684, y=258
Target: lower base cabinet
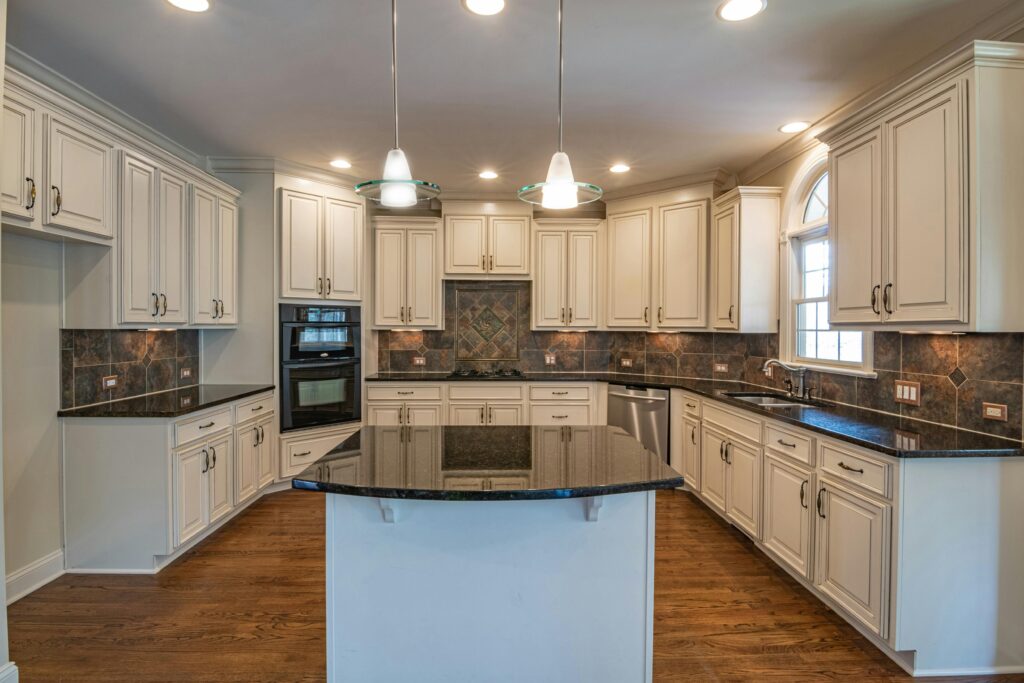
x=788, y=494
x=713, y=468
x=255, y=450
x=203, y=486
x=691, y=453
x=743, y=485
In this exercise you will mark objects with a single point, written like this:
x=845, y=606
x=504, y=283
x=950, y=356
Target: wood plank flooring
x=248, y=605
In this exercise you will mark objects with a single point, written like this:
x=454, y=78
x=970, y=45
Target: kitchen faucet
x=800, y=372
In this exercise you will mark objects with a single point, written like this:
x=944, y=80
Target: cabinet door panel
x=629, y=269
x=713, y=468
x=139, y=285
x=467, y=414
x=420, y=415
x=204, y=257
x=227, y=262
x=191, y=494
x=465, y=239
x=725, y=270
x=385, y=414
x=301, y=247
x=221, y=477
x=422, y=456
x=172, y=248
x=505, y=414
x=343, y=249
x=855, y=229
x=743, y=490
x=247, y=463
x=788, y=497
x=80, y=169
x=389, y=277
x=268, y=452
x=424, y=279
x=550, y=280
x=508, y=241
x=17, y=165
x=691, y=453
x=581, y=299
x=926, y=224
x=682, y=266
x=549, y=457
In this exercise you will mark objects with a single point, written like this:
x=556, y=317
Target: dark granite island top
x=488, y=463
x=170, y=403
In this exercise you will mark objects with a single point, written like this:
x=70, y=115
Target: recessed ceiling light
x=738, y=10
x=340, y=163
x=488, y=175
x=191, y=5
x=619, y=168
x=484, y=7
x=795, y=127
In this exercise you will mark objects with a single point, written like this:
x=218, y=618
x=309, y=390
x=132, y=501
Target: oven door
x=301, y=341
x=315, y=394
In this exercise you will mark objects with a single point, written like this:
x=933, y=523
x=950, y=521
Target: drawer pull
x=406, y=393
x=559, y=393
x=303, y=453
x=850, y=469
x=803, y=503
x=560, y=417
x=256, y=408
x=817, y=502
x=207, y=425
x=691, y=405
x=786, y=443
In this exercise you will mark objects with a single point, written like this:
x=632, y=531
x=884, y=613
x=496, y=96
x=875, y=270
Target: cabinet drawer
x=560, y=392
x=559, y=414
x=857, y=467
x=201, y=427
x=494, y=391
x=691, y=406
x=254, y=408
x=747, y=427
x=403, y=392
x=300, y=454
x=788, y=443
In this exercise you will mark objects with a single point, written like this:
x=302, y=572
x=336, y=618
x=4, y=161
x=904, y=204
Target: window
x=813, y=341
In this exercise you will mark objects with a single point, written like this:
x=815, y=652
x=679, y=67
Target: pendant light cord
x=561, y=68
x=394, y=63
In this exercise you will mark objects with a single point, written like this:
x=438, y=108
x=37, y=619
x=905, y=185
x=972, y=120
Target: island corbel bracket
x=388, y=509
x=591, y=506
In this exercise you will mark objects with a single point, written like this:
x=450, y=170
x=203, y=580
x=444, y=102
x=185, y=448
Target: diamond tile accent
x=957, y=377
x=487, y=324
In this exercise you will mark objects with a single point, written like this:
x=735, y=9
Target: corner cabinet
x=214, y=259
x=321, y=246
x=408, y=290
x=486, y=245
x=566, y=278
x=923, y=201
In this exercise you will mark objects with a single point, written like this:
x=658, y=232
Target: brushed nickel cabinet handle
x=31, y=193
x=481, y=415
x=887, y=298
x=490, y=415
x=661, y=317
x=256, y=408
x=786, y=443
x=206, y=461
x=263, y=436
x=320, y=286
x=570, y=314
x=874, y=300
x=328, y=287
x=492, y=262
x=207, y=425
x=163, y=305
x=731, y=308
x=560, y=417
x=803, y=503
x=256, y=439
x=483, y=261
x=817, y=503
x=156, y=304
x=850, y=469
x=406, y=393
x=214, y=314
x=559, y=393
x=303, y=453
x=728, y=460
x=563, y=315
x=647, y=310
x=721, y=451
x=213, y=453
x=691, y=405
x=58, y=202
x=693, y=435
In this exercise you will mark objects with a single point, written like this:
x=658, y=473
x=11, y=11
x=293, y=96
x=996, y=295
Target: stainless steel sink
x=765, y=399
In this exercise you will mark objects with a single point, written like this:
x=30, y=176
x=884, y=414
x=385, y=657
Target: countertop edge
x=167, y=414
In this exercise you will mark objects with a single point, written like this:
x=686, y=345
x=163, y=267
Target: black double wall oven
x=320, y=375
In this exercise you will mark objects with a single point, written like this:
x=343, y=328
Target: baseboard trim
x=9, y=673
x=35, y=575
x=983, y=671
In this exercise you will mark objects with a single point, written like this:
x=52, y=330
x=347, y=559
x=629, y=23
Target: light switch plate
x=626, y=362
x=769, y=371
x=908, y=393
x=108, y=382
x=721, y=367
x=907, y=441
x=549, y=359
x=186, y=373
x=994, y=411
x=419, y=360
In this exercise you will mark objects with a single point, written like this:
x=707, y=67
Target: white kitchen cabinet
x=20, y=184
x=691, y=452
x=408, y=287
x=788, y=491
x=713, y=483
x=566, y=284
x=343, y=249
x=221, y=475
x=485, y=413
x=214, y=258
x=247, y=462
x=486, y=245
x=629, y=270
x=743, y=485
x=560, y=414
x=391, y=413
x=508, y=245
x=321, y=247
x=267, y=465
x=465, y=245
x=681, y=257
x=79, y=178
x=744, y=260
x=191, y=493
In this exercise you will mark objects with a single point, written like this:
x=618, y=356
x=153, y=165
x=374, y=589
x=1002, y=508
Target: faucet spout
x=797, y=370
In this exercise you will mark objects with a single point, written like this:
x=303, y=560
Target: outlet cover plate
x=994, y=411
x=186, y=372
x=626, y=362
x=549, y=359
x=721, y=367
x=908, y=393
x=419, y=360
x=108, y=382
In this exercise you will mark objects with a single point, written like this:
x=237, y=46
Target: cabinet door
x=268, y=452
x=19, y=184
x=691, y=453
x=549, y=457
x=465, y=245
x=855, y=229
x=508, y=483
x=247, y=463
x=221, y=477
x=138, y=244
x=549, y=280
x=743, y=486
x=853, y=553
x=682, y=265
x=343, y=250
x=505, y=414
x=629, y=269
x=465, y=483
x=301, y=246
x=926, y=227
x=204, y=257
x=191, y=493
x=787, y=513
x=79, y=180
x=725, y=254
x=713, y=468
x=227, y=262
x=424, y=415
x=508, y=243
x=385, y=414
x=422, y=308
x=583, y=457
x=172, y=248
x=467, y=414
x=422, y=456
x=389, y=277
x=346, y=471
x=581, y=297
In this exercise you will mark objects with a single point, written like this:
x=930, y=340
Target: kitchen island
x=489, y=553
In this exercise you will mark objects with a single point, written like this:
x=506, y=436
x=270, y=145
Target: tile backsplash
x=957, y=373
x=142, y=361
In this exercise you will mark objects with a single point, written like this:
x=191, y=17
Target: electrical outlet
x=769, y=371
x=721, y=367
x=186, y=372
x=419, y=360
x=908, y=393
x=994, y=411
x=549, y=359
x=186, y=401
x=626, y=362
x=108, y=382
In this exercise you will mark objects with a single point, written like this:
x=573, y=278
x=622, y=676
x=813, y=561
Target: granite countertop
x=890, y=434
x=601, y=461
x=170, y=403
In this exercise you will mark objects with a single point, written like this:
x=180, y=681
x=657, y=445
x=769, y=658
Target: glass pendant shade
x=559, y=191
x=397, y=194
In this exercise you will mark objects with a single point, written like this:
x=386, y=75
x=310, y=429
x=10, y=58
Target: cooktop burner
x=509, y=373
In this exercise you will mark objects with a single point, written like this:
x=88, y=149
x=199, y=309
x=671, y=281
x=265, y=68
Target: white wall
x=31, y=313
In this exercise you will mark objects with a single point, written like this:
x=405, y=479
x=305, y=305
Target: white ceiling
x=659, y=84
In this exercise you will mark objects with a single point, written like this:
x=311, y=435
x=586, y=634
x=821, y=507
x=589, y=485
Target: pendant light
x=397, y=188
x=560, y=190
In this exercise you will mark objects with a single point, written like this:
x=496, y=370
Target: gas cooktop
x=504, y=373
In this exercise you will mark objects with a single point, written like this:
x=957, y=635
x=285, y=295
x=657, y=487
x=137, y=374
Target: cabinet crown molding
x=747, y=191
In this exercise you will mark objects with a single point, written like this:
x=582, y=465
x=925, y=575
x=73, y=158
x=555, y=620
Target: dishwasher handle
x=637, y=398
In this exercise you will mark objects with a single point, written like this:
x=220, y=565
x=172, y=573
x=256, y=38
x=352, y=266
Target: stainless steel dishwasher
x=643, y=413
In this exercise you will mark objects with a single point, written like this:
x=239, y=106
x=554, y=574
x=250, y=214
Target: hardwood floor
x=248, y=605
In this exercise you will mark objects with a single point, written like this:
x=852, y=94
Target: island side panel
x=497, y=591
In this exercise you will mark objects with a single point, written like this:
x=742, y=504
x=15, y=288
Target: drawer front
x=789, y=443
x=691, y=406
x=556, y=414
x=854, y=466
x=736, y=423
x=493, y=391
x=254, y=408
x=202, y=427
x=403, y=392
x=560, y=392
x=300, y=454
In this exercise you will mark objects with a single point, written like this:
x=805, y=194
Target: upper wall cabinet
x=407, y=284
x=629, y=269
x=20, y=181
x=486, y=245
x=745, y=260
x=321, y=247
x=925, y=199
x=566, y=280
x=214, y=259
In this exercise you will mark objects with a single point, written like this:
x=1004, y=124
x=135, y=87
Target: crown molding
x=717, y=176
x=226, y=164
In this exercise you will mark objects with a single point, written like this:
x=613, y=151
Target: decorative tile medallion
x=486, y=323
